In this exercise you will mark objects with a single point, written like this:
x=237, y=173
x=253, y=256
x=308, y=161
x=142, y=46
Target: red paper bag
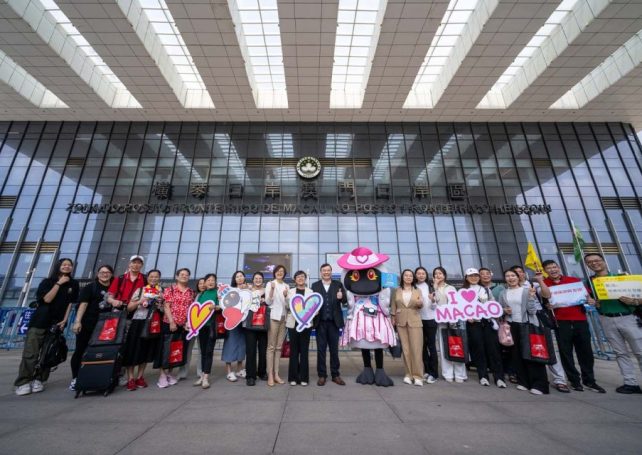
x=456, y=347
x=220, y=324
x=110, y=328
x=258, y=318
x=176, y=352
x=539, y=347
x=155, y=324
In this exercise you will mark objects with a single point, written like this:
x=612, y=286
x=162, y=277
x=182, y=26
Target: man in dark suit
x=327, y=323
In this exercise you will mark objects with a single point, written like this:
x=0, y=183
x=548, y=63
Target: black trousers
x=82, y=341
x=531, y=375
x=484, y=347
x=576, y=334
x=299, y=369
x=430, y=358
x=367, y=360
x=328, y=337
x=206, y=343
x=253, y=340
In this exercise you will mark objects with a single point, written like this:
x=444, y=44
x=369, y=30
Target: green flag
x=578, y=243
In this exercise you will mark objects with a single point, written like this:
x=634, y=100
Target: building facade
x=210, y=196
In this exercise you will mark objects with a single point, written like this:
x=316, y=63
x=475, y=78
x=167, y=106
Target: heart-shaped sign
x=468, y=294
x=197, y=316
x=304, y=309
x=236, y=305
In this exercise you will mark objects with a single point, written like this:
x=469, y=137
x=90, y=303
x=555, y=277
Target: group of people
x=412, y=313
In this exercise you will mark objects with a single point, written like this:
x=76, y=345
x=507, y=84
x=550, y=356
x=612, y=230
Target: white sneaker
x=72, y=385
x=522, y=388
x=536, y=392
x=122, y=380
x=501, y=384
x=426, y=376
x=459, y=380
x=304, y=383
x=292, y=383
x=407, y=380
x=431, y=379
x=449, y=379
x=241, y=373
x=231, y=377
x=419, y=382
x=37, y=386
x=24, y=389
x=484, y=382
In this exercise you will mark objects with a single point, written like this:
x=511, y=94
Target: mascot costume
x=368, y=325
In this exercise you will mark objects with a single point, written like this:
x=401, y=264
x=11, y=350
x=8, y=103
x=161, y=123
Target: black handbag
x=395, y=351
x=174, y=351
x=537, y=343
x=455, y=345
x=53, y=351
x=152, y=327
x=110, y=329
x=547, y=318
x=258, y=321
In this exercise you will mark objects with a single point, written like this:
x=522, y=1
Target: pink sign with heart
x=304, y=309
x=464, y=305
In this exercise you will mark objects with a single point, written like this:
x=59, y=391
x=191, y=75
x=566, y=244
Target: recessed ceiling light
x=26, y=85
x=158, y=32
x=615, y=67
x=257, y=29
x=459, y=29
x=55, y=28
x=358, y=27
x=565, y=24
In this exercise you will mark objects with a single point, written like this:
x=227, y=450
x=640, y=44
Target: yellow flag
x=532, y=260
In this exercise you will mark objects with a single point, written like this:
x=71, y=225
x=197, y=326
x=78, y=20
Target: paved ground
x=232, y=418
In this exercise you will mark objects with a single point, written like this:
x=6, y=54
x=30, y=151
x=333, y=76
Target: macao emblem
x=308, y=167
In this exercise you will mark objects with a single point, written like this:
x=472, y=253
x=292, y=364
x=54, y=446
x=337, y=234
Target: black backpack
x=53, y=351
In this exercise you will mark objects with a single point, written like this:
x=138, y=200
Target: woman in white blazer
x=276, y=293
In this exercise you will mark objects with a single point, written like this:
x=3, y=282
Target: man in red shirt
x=572, y=332
x=122, y=288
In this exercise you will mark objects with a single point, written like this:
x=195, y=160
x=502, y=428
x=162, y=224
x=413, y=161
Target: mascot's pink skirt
x=368, y=332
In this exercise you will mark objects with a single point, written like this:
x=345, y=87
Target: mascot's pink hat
x=361, y=258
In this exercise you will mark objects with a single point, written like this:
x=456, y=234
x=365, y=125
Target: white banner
x=571, y=294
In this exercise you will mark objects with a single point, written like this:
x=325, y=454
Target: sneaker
x=231, y=377
x=198, y=382
x=419, y=382
x=501, y=384
x=536, y=392
x=577, y=387
x=459, y=380
x=37, y=386
x=522, y=388
x=172, y=380
x=72, y=385
x=205, y=383
x=304, y=384
x=449, y=379
x=241, y=373
x=131, y=385
x=24, y=389
x=426, y=377
x=594, y=388
x=292, y=383
x=431, y=379
x=162, y=382
x=141, y=383
x=122, y=381
x=407, y=380
x=628, y=389
x=484, y=382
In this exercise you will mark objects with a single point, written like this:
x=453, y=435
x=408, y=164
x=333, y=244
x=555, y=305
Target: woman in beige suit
x=405, y=307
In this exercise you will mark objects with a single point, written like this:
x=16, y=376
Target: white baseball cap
x=471, y=271
x=136, y=256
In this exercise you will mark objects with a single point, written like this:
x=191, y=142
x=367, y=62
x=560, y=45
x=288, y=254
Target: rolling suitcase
x=99, y=369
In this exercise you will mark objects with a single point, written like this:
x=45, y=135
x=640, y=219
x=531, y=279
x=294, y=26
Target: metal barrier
x=14, y=323
x=601, y=347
